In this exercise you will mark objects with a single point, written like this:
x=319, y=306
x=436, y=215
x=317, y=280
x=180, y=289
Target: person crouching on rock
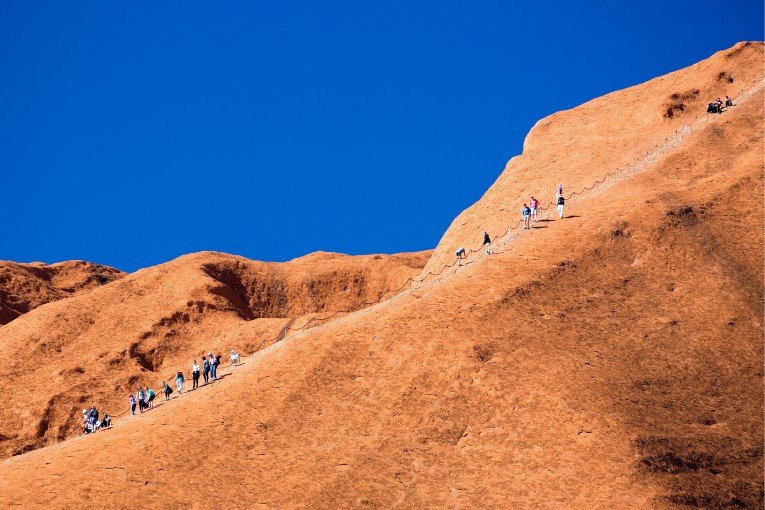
x=460, y=255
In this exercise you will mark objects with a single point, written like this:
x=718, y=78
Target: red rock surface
x=24, y=287
x=142, y=328
x=612, y=359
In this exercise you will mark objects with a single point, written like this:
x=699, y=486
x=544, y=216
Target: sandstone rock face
x=611, y=359
x=143, y=327
x=578, y=146
x=24, y=287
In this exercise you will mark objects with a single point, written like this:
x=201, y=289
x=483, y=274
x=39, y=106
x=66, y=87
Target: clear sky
x=134, y=132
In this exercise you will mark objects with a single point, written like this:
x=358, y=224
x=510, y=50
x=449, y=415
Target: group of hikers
x=528, y=215
x=717, y=106
x=144, y=397
x=91, y=423
x=143, y=400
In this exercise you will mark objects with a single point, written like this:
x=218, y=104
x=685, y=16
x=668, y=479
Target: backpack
x=560, y=200
x=179, y=375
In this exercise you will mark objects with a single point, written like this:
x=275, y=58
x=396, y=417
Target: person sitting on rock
x=106, y=422
x=728, y=102
x=235, y=359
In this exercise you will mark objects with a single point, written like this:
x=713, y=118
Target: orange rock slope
x=141, y=329
x=24, y=287
x=612, y=359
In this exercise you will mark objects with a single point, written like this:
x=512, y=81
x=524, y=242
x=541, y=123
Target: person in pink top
x=534, y=206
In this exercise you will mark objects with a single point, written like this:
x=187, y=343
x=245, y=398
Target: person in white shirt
x=194, y=375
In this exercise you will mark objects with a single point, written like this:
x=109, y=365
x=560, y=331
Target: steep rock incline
x=608, y=360
x=569, y=372
x=578, y=146
x=141, y=329
x=24, y=287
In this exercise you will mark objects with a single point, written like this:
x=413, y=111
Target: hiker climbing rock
x=179, y=380
x=206, y=369
x=526, y=215
x=534, y=206
x=487, y=242
x=150, y=394
x=167, y=390
x=460, y=255
x=194, y=375
x=561, y=202
x=141, y=397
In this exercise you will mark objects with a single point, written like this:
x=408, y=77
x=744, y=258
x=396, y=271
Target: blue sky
x=134, y=132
